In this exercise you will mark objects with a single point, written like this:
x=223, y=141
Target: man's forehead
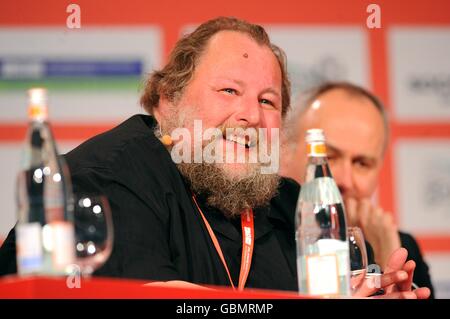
x=227, y=38
x=338, y=102
x=233, y=45
x=236, y=56
x=349, y=127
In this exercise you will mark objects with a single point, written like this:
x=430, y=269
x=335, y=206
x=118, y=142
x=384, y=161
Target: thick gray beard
x=230, y=194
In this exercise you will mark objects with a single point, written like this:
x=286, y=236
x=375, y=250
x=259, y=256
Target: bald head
x=347, y=118
x=356, y=135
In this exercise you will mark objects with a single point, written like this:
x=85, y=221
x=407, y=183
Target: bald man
x=357, y=133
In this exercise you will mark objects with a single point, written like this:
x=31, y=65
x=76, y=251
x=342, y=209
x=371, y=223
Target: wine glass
x=358, y=257
x=93, y=231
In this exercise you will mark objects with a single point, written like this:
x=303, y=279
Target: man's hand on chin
x=377, y=225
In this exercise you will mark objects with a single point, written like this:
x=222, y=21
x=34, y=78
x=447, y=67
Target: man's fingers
x=422, y=293
x=350, y=209
x=409, y=269
x=394, y=277
x=368, y=287
x=398, y=295
x=377, y=217
x=363, y=208
x=372, y=284
x=409, y=266
x=397, y=260
x=395, y=263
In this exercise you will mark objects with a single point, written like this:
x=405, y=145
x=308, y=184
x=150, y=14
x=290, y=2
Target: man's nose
x=249, y=112
x=342, y=173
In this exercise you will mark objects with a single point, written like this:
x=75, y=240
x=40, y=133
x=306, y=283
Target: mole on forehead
x=245, y=55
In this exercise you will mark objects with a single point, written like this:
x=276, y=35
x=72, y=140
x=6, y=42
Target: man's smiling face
x=236, y=84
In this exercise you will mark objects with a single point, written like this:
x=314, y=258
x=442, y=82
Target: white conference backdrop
x=420, y=71
x=317, y=54
x=81, y=94
x=423, y=185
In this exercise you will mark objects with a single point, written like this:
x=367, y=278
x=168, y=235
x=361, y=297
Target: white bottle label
x=340, y=249
x=29, y=248
x=63, y=238
x=327, y=267
x=322, y=274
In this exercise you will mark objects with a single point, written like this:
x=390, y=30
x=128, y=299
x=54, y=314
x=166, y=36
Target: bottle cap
x=315, y=143
x=37, y=104
x=315, y=135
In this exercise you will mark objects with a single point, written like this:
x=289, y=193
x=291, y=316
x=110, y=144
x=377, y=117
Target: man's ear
x=160, y=112
x=157, y=114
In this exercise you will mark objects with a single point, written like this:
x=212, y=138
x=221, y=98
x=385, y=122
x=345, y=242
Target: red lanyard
x=248, y=238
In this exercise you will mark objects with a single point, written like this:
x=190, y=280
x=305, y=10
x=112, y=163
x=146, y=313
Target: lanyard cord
x=248, y=235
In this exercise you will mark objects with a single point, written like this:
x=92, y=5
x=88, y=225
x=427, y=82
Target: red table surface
x=13, y=287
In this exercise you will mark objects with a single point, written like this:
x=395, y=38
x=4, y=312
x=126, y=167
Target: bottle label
x=322, y=274
x=316, y=149
x=340, y=249
x=327, y=268
x=63, y=245
x=29, y=248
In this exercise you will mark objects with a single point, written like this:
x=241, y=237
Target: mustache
x=244, y=135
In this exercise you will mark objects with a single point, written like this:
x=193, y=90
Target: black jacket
x=158, y=233
x=421, y=273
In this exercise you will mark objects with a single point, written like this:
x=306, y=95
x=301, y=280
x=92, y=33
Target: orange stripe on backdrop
x=143, y=11
x=434, y=243
x=180, y=12
x=66, y=132
x=194, y=11
x=171, y=33
x=380, y=86
x=175, y=12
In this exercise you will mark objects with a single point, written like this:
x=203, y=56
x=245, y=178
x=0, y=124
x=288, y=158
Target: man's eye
x=229, y=91
x=363, y=164
x=266, y=101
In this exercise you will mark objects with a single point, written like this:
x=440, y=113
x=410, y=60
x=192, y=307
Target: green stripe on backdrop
x=75, y=84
